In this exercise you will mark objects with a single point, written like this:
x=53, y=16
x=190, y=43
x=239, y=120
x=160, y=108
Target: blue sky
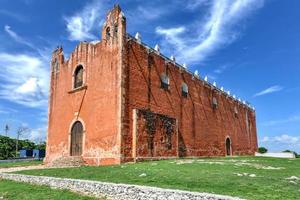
x=250, y=47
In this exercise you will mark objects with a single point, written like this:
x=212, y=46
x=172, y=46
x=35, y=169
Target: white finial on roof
x=206, y=78
x=228, y=92
x=157, y=48
x=121, y=14
x=222, y=89
x=173, y=58
x=196, y=73
x=244, y=102
x=138, y=37
x=253, y=108
x=239, y=99
x=215, y=84
x=184, y=66
x=234, y=96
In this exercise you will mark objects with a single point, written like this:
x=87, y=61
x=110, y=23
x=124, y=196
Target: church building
x=118, y=100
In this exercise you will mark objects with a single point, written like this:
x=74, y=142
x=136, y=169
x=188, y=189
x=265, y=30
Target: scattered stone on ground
x=245, y=174
x=293, y=182
x=142, y=175
x=295, y=178
x=180, y=162
x=270, y=167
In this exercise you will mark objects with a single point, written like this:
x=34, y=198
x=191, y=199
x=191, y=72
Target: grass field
x=11, y=190
x=20, y=163
x=246, y=177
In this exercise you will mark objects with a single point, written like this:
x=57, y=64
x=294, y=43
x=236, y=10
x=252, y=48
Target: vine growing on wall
x=152, y=121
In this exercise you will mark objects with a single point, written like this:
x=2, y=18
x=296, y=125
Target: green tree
x=262, y=150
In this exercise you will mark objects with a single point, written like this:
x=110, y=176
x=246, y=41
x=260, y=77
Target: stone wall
x=114, y=191
x=202, y=129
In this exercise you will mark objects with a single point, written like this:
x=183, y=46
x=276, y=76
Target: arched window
x=184, y=90
x=107, y=33
x=165, y=81
x=78, y=77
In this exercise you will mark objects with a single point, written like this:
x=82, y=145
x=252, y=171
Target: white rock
x=142, y=175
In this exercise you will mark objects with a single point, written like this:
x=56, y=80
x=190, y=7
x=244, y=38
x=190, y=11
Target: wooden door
x=76, y=139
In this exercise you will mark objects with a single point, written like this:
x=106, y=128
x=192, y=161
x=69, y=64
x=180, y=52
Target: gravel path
x=108, y=190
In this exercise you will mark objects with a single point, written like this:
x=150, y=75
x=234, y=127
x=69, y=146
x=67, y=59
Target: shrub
x=262, y=150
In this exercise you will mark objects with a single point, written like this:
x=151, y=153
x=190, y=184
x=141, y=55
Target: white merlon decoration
x=228, y=92
x=222, y=89
x=206, y=78
x=196, y=73
x=215, y=84
x=234, y=96
x=239, y=99
x=173, y=58
x=121, y=14
x=184, y=66
x=138, y=37
x=244, y=102
x=157, y=48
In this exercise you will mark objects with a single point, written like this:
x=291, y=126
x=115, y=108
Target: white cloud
x=80, y=26
x=148, y=13
x=14, y=15
x=24, y=79
x=295, y=118
x=203, y=38
x=221, y=69
x=287, y=139
x=16, y=37
x=281, y=142
x=272, y=89
x=37, y=135
x=193, y=4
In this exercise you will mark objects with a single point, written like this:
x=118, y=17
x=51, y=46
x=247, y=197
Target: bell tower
x=114, y=28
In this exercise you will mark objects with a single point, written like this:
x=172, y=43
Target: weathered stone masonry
x=131, y=105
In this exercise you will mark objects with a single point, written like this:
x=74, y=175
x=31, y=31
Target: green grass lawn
x=246, y=177
x=20, y=163
x=21, y=191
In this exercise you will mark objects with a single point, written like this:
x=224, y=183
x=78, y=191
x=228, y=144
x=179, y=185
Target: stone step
x=70, y=161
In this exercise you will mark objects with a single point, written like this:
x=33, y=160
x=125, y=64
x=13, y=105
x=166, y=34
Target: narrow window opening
x=116, y=30
x=236, y=112
x=78, y=77
x=107, y=33
x=165, y=82
x=184, y=90
x=214, y=103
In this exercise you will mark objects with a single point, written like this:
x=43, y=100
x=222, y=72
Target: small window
x=55, y=65
x=107, y=33
x=236, y=112
x=184, y=90
x=116, y=30
x=78, y=77
x=165, y=81
x=214, y=103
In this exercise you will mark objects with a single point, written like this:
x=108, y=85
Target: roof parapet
x=184, y=66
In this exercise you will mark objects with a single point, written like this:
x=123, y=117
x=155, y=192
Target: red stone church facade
x=118, y=100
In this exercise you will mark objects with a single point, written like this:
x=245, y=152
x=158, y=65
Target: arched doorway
x=228, y=147
x=76, y=139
